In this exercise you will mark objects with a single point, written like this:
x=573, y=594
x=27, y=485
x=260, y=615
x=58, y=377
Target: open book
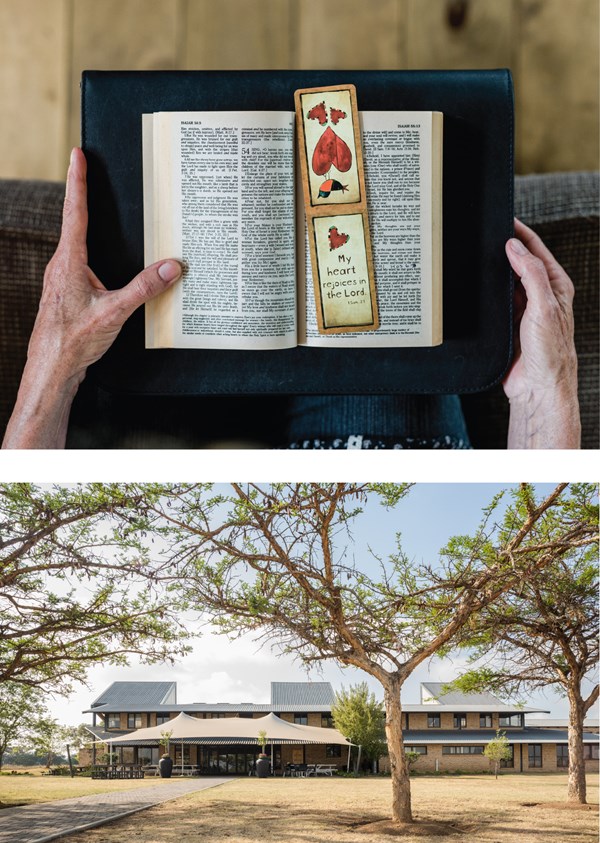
x=221, y=194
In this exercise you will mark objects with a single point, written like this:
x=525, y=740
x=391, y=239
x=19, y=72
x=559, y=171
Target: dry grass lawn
x=26, y=790
x=474, y=809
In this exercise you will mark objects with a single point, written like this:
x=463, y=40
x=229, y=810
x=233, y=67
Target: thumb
x=151, y=281
x=533, y=274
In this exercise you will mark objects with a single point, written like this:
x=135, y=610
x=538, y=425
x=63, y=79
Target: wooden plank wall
x=551, y=47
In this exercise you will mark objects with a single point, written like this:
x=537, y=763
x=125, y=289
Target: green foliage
x=165, y=739
x=543, y=631
x=48, y=738
x=262, y=740
x=20, y=708
x=497, y=750
x=412, y=757
x=77, y=583
x=360, y=718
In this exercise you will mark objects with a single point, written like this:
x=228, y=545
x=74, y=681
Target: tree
x=20, y=706
x=544, y=632
x=79, y=737
x=76, y=584
x=411, y=758
x=165, y=740
x=275, y=560
x=48, y=738
x=360, y=718
x=497, y=750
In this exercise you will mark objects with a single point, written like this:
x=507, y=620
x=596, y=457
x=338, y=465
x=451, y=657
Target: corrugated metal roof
x=458, y=737
x=301, y=694
x=217, y=708
x=258, y=708
x=120, y=695
x=499, y=708
x=590, y=723
x=434, y=690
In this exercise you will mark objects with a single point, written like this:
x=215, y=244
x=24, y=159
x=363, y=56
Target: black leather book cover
x=477, y=214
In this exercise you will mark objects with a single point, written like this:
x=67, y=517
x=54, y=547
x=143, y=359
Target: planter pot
x=263, y=768
x=165, y=768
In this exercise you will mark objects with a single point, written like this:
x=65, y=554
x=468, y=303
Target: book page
x=402, y=160
x=219, y=195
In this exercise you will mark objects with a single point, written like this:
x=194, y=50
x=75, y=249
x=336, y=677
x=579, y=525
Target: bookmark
x=335, y=203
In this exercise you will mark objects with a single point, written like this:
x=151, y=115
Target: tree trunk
x=401, y=809
x=576, y=789
x=70, y=761
x=357, y=767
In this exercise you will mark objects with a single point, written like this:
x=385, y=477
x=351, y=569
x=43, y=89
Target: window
x=590, y=751
x=161, y=719
x=113, y=721
x=134, y=721
x=148, y=755
x=562, y=755
x=327, y=721
x=333, y=750
x=485, y=721
x=433, y=721
x=462, y=750
x=509, y=762
x=535, y=755
x=422, y=750
x=460, y=721
x=186, y=755
x=216, y=715
x=246, y=714
x=301, y=719
x=510, y=720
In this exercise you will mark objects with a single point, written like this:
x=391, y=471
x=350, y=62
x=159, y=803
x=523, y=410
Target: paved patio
x=49, y=820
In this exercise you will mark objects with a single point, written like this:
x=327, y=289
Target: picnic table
x=323, y=770
x=306, y=770
x=188, y=770
x=117, y=771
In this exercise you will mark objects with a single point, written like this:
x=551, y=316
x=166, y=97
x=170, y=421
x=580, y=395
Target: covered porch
x=230, y=746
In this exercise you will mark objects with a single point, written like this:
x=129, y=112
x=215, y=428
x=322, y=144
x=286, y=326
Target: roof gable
x=432, y=692
x=121, y=694
x=301, y=693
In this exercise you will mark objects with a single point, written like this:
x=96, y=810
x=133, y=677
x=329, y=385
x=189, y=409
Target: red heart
x=331, y=149
x=318, y=112
x=336, y=238
x=337, y=115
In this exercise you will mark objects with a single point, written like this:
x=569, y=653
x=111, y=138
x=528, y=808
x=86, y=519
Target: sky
x=220, y=670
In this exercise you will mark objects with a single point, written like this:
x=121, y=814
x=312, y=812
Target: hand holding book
x=78, y=320
x=542, y=381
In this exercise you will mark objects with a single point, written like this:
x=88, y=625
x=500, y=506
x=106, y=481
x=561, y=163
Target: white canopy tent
x=185, y=729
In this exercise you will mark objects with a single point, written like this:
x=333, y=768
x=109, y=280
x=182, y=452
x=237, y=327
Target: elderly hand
x=542, y=382
x=77, y=321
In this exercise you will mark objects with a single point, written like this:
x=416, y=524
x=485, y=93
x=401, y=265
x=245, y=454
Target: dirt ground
x=471, y=809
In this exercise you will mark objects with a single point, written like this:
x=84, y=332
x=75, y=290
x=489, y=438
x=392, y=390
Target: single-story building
x=449, y=731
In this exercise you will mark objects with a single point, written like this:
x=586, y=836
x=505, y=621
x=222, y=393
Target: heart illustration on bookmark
x=336, y=238
x=331, y=150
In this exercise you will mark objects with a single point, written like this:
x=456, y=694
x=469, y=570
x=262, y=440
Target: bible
x=477, y=220
x=222, y=194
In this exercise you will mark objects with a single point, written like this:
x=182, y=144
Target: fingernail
x=517, y=246
x=72, y=158
x=169, y=270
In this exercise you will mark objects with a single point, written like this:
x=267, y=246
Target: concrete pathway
x=49, y=820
